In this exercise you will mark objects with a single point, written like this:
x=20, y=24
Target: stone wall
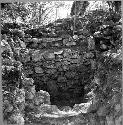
x=59, y=62
x=63, y=73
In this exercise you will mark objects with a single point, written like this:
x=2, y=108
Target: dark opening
x=68, y=91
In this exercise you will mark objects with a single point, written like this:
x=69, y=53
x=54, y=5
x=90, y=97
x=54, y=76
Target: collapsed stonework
x=48, y=81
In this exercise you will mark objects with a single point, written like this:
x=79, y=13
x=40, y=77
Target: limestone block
x=48, y=56
x=37, y=56
x=35, y=40
x=39, y=70
x=71, y=43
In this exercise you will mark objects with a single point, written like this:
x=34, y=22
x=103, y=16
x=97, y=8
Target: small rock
x=37, y=56
x=75, y=37
x=35, y=40
x=49, y=55
x=39, y=70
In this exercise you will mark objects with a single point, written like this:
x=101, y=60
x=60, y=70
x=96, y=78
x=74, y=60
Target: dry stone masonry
x=46, y=79
x=60, y=73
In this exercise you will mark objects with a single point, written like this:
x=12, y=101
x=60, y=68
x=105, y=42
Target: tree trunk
x=40, y=14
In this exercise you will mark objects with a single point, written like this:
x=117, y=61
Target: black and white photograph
x=61, y=62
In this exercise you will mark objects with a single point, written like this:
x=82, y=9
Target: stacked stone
x=13, y=97
x=33, y=99
x=58, y=70
x=17, y=114
x=58, y=34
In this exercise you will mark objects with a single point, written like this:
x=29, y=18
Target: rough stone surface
x=41, y=97
x=64, y=75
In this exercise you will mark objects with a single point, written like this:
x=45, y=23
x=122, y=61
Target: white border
x=6, y=1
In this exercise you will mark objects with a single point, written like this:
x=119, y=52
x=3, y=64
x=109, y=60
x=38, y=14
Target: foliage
x=100, y=17
x=15, y=10
x=105, y=27
x=36, y=13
